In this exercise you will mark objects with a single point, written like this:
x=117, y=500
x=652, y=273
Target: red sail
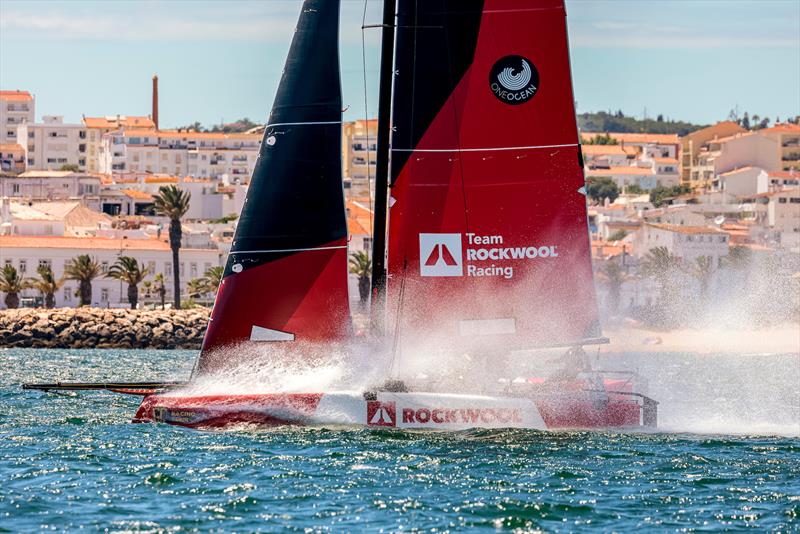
x=488, y=232
x=286, y=274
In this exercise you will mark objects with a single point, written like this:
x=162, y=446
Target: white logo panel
x=440, y=255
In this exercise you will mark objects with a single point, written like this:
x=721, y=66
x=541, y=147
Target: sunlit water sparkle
x=73, y=460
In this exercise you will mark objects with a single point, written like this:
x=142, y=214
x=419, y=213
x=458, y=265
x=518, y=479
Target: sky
x=691, y=60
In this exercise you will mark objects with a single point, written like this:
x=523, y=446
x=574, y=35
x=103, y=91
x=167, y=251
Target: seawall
x=82, y=328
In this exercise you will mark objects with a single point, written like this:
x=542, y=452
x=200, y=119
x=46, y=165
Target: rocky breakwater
x=81, y=328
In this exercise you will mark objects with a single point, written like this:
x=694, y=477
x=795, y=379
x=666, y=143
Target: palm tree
x=83, y=269
x=47, y=285
x=212, y=278
x=11, y=283
x=739, y=258
x=658, y=263
x=196, y=288
x=613, y=275
x=361, y=266
x=701, y=270
x=174, y=203
x=128, y=270
x=160, y=289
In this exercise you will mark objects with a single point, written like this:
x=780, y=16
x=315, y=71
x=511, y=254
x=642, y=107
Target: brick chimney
x=155, y=101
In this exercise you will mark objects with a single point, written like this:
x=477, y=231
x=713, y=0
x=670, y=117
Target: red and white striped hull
x=417, y=410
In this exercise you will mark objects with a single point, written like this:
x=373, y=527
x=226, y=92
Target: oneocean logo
x=514, y=80
x=381, y=413
x=440, y=255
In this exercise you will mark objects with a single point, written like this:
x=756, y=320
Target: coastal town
x=671, y=217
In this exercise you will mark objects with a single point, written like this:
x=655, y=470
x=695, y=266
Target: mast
x=377, y=306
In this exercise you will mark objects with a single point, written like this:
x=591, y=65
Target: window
x=10, y=133
x=15, y=187
x=104, y=295
x=23, y=266
x=782, y=200
x=104, y=267
x=167, y=269
x=151, y=267
x=795, y=200
x=183, y=271
x=193, y=269
x=8, y=262
x=67, y=293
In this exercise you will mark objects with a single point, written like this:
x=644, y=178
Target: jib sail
x=286, y=274
x=488, y=231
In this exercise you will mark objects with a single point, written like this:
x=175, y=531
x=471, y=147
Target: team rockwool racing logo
x=486, y=255
x=381, y=413
x=514, y=80
x=440, y=255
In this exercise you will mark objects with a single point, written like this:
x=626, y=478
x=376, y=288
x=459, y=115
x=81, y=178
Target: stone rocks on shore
x=102, y=328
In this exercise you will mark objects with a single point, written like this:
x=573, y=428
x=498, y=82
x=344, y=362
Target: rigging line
x=301, y=123
x=487, y=149
x=234, y=252
x=366, y=115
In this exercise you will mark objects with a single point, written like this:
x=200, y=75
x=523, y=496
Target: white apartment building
x=744, y=181
x=97, y=127
x=686, y=243
x=604, y=156
x=787, y=137
x=26, y=253
x=729, y=153
x=16, y=107
x=359, y=140
x=197, y=154
x=53, y=185
x=51, y=144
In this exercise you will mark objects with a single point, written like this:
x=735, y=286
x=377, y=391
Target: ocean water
x=727, y=456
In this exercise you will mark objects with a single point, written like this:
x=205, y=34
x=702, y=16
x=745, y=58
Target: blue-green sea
x=727, y=457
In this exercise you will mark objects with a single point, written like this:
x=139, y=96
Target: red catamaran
x=488, y=241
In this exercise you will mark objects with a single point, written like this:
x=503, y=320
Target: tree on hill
x=47, y=285
x=599, y=188
x=601, y=140
x=361, y=266
x=70, y=167
x=174, y=203
x=12, y=284
x=128, y=270
x=659, y=194
x=83, y=269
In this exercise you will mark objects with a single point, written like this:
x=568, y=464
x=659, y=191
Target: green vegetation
x=174, y=203
x=238, y=126
x=11, y=283
x=70, y=167
x=226, y=219
x=47, y=285
x=616, y=236
x=128, y=270
x=599, y=139
x=660, y=194
x=599, y=188
x=83, y=269
x=613, y=275
x=701, y=270
x=361, y=266
x=634, y=190
x=617, y=122
x=212, y=279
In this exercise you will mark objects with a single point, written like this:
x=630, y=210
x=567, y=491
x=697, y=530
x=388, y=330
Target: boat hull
x=414, y=410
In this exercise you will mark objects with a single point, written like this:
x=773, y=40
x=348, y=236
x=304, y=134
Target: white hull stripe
x=258, y=333
x=300, y=123
x=492, y=149
x=284, y=250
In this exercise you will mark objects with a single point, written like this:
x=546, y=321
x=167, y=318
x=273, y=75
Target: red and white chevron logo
x=381, y=413
x=440, y=255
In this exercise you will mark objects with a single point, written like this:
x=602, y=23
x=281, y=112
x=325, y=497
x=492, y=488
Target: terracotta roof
x=608, y=249
x=686, y=229
x=359, y=217
x=10, y=147
x=620, y=170
x=666, y=160
x=172, y=134
x=137, y=195
x=82, y=243
x=161, y=179
x=125, y=121
x=596, y=150
x=785, y=127
x=784, y=174
x=769, y=194
x=737, y=135
x=16, y=96
x=53, y=174
x=664, y=139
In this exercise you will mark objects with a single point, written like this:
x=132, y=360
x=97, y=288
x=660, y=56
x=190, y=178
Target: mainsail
x=488, y=231
x=286, y=274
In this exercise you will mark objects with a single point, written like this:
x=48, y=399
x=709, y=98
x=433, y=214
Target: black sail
x=286, y=275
